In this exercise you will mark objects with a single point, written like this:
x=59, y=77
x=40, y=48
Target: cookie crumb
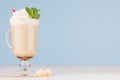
x=49, y=72
x=46, y=72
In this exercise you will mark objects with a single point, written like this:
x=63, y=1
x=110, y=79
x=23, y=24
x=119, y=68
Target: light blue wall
x=71, y=31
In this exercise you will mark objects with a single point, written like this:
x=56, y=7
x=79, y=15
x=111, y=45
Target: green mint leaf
x=28, y=11
x=37, y=16
x=34, y=9
x=33, y=12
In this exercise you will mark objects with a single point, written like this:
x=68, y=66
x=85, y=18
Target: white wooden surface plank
x=69, y=72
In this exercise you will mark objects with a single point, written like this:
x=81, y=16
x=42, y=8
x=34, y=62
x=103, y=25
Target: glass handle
x=8, y=43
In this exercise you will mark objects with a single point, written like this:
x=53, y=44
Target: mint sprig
x=33, y=12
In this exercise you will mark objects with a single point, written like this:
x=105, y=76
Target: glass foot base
x=24, y=70
x=21, y=73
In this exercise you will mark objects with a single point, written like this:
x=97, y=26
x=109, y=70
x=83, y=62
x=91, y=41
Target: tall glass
x=24, y=44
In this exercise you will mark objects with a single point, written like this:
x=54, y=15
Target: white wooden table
x=70, y=72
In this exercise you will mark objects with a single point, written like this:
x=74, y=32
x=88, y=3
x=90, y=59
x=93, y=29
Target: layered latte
x=24, y=32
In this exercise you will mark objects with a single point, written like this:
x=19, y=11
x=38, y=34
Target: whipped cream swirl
x=22, y=17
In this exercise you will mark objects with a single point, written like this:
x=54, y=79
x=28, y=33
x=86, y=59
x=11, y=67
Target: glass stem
x=24, y=65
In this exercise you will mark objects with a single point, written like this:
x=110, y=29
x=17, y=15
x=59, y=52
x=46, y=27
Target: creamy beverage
x=24, y=29
x=24, y=40
x=24, y=32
